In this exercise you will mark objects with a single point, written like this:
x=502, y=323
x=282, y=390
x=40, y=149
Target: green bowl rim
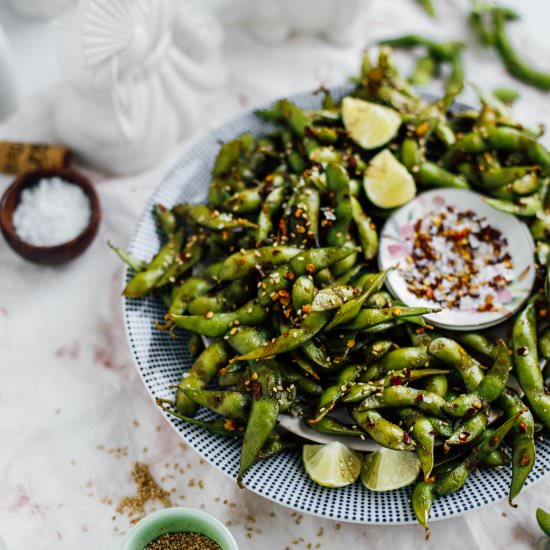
x=148, y=523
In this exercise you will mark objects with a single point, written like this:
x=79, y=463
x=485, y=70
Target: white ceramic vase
x=134, y=72
x=40, y=9
x=274, y=21
x=8, y=79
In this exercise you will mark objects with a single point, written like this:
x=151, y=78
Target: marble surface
x=75, y=414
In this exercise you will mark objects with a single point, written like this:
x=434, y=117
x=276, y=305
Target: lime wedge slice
x=387, y=182
x=543, y=519
x=370, y=125
x=331, y=465
x=386, y=470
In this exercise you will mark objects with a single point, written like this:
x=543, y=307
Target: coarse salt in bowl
x=50, y=216
x=51, y=212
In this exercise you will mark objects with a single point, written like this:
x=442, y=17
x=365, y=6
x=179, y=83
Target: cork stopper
x=20, y=158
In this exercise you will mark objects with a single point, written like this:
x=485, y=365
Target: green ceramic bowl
x=171, y=520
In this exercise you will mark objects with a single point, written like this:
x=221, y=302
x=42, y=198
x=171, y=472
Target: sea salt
x=51, y=212
x=457, y=260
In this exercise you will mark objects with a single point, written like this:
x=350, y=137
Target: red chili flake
x=255, y=388
x=396, y=381
x=524, y=460
x=495, y=440
x=310, y=268
x=523, y=351
x=419, y=397
x=407, y=372
x=522, y=427
x=459, y=235
x=407, y=438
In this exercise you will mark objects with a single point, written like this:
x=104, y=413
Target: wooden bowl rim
x=24, y=181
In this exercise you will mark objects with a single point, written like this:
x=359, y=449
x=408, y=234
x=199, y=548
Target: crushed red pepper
x=457, y=260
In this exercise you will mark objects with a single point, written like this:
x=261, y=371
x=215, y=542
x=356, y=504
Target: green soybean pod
x=366, y=230
x=338, y=190
x=303, y=291
x=270, y=207
x=544, y=343
x=203, y=370
x=437, y=383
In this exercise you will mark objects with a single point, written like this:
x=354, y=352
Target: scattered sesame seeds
x=183, y=541
x=148, y=490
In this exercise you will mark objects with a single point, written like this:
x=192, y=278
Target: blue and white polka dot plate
x=161, y=361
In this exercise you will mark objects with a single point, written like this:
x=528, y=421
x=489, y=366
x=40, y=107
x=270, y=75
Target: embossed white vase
x=8, y=80
x=40, y=9
x=134, y=71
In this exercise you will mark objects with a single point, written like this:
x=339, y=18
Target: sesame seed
x=148, y=490
x=180, y=540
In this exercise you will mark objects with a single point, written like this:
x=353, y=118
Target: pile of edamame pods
x=295, y=310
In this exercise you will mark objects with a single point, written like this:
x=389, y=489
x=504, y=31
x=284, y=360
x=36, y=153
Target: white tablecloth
x=75, y=414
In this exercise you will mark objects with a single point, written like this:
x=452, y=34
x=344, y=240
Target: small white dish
x=396, y=244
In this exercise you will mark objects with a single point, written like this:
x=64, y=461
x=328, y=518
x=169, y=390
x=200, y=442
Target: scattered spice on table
x=148, y=490
x=51, y=212
x=183, y=541
x=459, y=261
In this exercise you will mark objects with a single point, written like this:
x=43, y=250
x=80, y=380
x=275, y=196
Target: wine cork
x=19, y=158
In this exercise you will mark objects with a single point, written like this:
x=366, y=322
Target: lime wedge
x=386, y=470
x=543, y=519
x=370, y=125
x=331, y=465
x=387, y=182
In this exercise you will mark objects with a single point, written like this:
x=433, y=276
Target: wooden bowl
x=50, y=255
